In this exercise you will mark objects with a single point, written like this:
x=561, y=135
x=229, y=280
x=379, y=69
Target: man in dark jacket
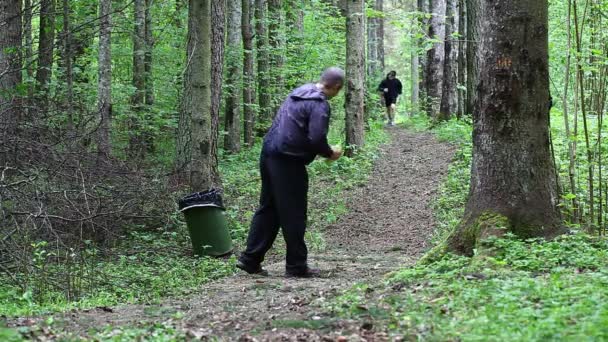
x=298, y=134
x=390, y=88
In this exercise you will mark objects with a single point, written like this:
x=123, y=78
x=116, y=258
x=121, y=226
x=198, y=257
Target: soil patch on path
x=387, y=226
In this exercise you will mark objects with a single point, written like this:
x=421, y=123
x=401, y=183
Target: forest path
x=387, y=226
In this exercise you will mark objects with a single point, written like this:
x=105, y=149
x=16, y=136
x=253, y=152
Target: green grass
x=525, y=291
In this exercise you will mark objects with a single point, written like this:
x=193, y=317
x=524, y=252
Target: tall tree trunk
x=28, y=48
x=218, y=24
x=276, y=41
x=462, y=58
x=571, y=143
x=373, y=70
x=423, y=23
x=578, y=26
x=295, y=43
x=414, y=64
x=149, y=43
x=435, y=57
x=472, y=53
x=248, y=79
x=355, y=75
x=449, y=97
x=104, y=88
x=263, y=76
x=136, y=126
x=10, y=77
x=196, y=100
x=234, y=50
x=512, y=176
x=67, y=66
x=46, y=42
x=379, y=6
x=414, y=78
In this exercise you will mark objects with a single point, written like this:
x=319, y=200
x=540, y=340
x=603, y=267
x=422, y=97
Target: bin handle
x=202, y=205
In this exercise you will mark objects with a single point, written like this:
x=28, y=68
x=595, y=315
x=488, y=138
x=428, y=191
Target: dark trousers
x=283, y=203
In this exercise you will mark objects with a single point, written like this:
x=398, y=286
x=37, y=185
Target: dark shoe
x=251, y=270
x=308, y=273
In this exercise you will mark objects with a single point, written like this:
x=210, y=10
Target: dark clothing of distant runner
x=298, y=134
x=394, y=90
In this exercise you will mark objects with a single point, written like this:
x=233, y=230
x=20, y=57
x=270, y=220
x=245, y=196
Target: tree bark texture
x=234, y=51
x=263, y=74
x=10, y=76
x=462, y=58
x=67, y=67
x=248, y=77
x=472, y=53
x=136, y=134
x=218, y=25
x=149, y=44
x=414, y=78
x=373, y=64
x=27, y=35
x=276, y=40
x=512, y=176
x=379, y=6
x=422, y=8
x=449, y=97
x=355, y=75
x=46, y=44
x=196, y=100
x=436, y=57
x=104, y=87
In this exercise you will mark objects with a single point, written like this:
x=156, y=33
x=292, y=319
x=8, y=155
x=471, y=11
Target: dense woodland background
x=112, y=110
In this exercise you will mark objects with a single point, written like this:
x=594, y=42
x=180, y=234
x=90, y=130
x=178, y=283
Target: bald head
x=332, y=77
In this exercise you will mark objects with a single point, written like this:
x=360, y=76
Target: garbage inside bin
x=204, y=212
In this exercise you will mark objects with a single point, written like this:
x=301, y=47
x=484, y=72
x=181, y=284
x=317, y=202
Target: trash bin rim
x=201, y=205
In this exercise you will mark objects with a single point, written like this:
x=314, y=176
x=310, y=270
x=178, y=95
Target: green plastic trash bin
x=204, y=212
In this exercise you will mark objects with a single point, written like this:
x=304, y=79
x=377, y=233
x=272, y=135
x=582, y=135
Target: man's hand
x=336, y=154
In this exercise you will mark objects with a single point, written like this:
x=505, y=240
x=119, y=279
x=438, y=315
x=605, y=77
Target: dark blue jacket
x=299, y=130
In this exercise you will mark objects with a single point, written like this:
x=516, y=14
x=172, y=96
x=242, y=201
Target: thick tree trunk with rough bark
x=472, y=53
x=104, y=91
x=196, y=100
x=435, y=58
x=263, y=75
x=10, y=76
x=46, y=43
x=449, y=98
x=248, y=77
x=512, y=176
x=234, y=50
x=462, y=58
x=218, y=24
x=355, y=75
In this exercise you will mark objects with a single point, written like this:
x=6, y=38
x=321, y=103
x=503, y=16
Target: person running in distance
x=391, y=88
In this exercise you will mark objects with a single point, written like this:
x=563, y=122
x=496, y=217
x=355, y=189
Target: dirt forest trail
x=388, y=224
